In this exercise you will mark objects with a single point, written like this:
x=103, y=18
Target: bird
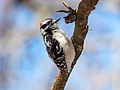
x=58, y=46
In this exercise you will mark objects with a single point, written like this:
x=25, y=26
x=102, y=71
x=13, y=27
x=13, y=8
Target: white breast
x=67, y=47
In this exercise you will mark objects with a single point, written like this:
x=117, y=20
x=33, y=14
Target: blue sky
x=99, y=62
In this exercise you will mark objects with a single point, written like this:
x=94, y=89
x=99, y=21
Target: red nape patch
x=40, y=24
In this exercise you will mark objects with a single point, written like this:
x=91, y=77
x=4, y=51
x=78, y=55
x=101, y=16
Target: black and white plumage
x=58, y=46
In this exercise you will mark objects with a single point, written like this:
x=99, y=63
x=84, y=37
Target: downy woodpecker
x=59, y=47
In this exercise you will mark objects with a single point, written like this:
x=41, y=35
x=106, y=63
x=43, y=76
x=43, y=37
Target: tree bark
x=81, y=29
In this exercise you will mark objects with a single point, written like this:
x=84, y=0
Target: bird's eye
x=43, y=26
x=48, y=22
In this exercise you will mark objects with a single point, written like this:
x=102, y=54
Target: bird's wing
x=57, y=54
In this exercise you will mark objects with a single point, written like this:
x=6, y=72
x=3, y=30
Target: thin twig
x=65, y=4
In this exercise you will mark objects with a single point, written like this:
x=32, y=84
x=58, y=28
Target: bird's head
x=48, y=26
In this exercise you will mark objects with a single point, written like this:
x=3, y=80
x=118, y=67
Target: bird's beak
x=57, y=20
x=54, y=22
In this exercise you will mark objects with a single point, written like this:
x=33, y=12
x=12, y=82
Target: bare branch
x=81, y=29
x=60, y=81
x=65, y=4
